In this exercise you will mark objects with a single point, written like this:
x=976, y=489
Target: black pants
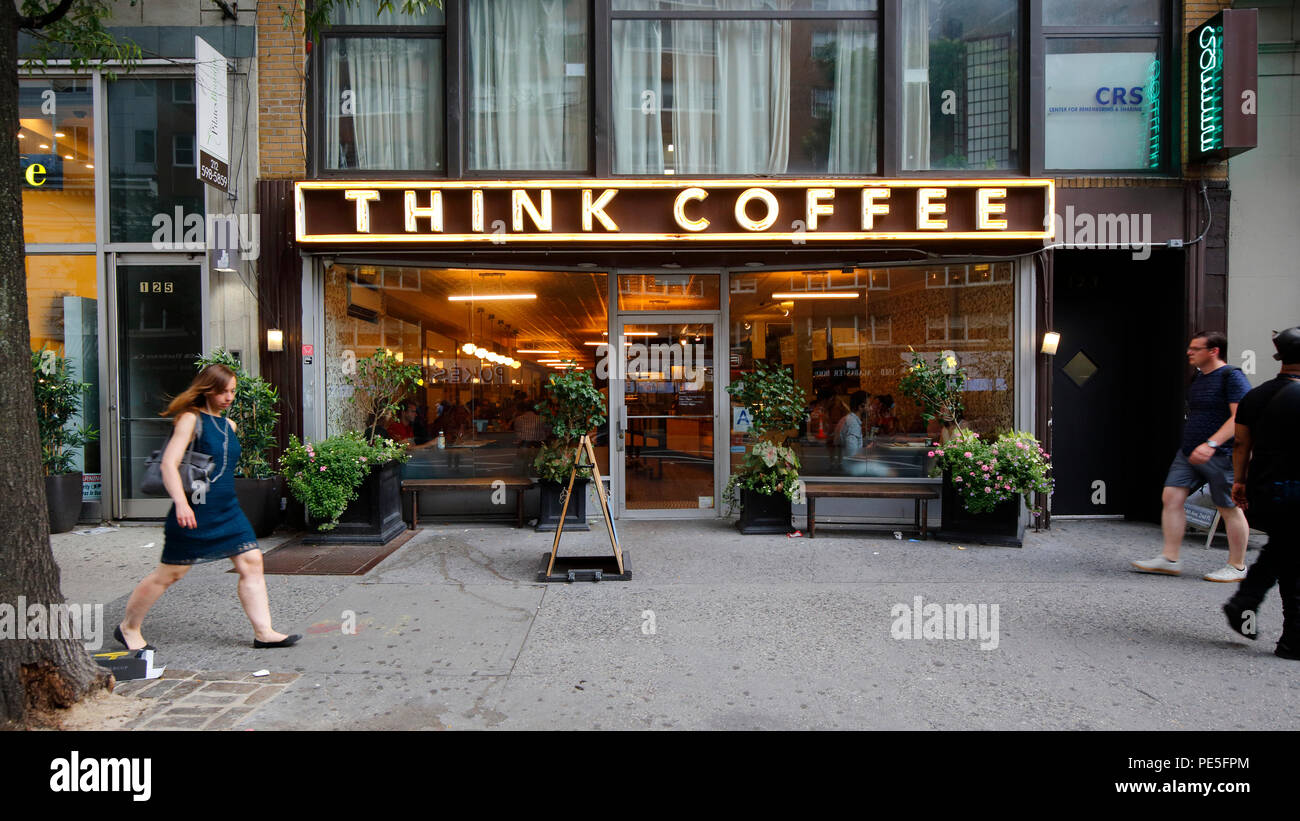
x=1279, y=561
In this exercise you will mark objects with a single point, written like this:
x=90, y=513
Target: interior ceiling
x=571, y=307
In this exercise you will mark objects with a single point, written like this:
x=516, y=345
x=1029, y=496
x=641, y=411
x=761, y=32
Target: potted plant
x=573, y=407
x=767, y=485
x=937, y=390
x=984, y=482
x=331, y=478
x=58, y=399
x=372, y=504
x=254, y=413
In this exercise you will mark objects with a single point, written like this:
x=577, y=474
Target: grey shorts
x=1217, y=472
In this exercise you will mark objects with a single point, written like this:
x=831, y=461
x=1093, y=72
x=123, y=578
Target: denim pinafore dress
x=223, y=529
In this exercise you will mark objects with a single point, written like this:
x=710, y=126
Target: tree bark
x=34, y=673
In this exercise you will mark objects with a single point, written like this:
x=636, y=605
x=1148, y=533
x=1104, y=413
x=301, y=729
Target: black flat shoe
x=117, y=634
x=288, y=641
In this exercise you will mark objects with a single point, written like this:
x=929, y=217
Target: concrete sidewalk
x=715, y=631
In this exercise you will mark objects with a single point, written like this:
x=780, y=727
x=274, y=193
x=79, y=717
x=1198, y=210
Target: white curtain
x=916, y=84
x=518, y=109
x=854, y=110
x=387, y=110
x=638, y=107
x=731, y=97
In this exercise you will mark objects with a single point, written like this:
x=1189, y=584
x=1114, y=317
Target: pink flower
x=1020, y=445
x=939, y=451
x=985, y=468
x=988, y=490
x=1008, y=487
x=931, y=453
x=1047, y=455
x=363, y=458
x=322, y=468
x=956, y=478
x=967, y=454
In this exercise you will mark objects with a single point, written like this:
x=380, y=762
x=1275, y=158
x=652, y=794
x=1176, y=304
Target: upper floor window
x=1105, y=83
x=783, y=87
x=382, y=96
x=961, y=84
x=528, y=85
x=56, y=144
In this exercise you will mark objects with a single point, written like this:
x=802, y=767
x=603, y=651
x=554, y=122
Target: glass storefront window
x=56, y=144
x=540, y=320
x=147, y=120
x=1103, y=104
x=383, y=103
x=849, y=334
x=668, y=292
x=745, y=5
x=961, y=78
x=1098, y=13
x=528, y=85
x=745, y=96
x=63, y=312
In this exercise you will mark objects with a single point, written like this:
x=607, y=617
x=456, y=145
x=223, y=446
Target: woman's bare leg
x=252, y=595
x=148, y=591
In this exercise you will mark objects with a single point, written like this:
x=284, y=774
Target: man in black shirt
x=1266, y=462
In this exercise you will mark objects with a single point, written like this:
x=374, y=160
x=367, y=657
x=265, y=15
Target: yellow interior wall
x=49, y=279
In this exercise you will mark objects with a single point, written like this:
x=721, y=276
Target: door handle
x=622, y=428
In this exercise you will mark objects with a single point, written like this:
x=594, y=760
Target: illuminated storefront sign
x=1223, y=77
x=610, y=211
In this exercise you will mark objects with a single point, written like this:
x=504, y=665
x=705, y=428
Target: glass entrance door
x=666, y=422
x=158, y=317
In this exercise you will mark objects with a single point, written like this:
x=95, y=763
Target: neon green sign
x=1210, y=67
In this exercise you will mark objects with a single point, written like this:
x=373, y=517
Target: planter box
x=548, y=516
x=63, y=501
x=260, y=501
x=374, y=517
x=1000, y=526
x=763, y=514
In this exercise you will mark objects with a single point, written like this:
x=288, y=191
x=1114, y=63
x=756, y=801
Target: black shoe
x=1286, y=651
x=1236, y=621
x=117, y=634
x=285, y=642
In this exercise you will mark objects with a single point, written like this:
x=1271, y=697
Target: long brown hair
x=212, y=379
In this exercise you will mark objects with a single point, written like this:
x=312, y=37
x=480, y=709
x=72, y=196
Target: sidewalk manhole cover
x=296, y=559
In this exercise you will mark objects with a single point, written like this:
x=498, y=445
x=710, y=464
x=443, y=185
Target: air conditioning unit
x=365, y=303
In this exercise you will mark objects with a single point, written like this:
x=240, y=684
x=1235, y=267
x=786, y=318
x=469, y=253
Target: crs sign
x=1119, y=95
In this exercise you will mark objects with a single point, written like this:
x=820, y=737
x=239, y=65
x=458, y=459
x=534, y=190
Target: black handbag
x=195, y=468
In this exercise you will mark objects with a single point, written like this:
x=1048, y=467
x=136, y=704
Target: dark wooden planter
x=260, y=501
x=63, y=500
x=763, y=514
x=374, y=517
x=1000, y=526
x=553, y=502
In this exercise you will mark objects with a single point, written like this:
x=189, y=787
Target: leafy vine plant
x=380, y=384
x=935, y=388
x=59, y=395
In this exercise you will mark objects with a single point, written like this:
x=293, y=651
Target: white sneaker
x=1227, y=573
x=1159, y=565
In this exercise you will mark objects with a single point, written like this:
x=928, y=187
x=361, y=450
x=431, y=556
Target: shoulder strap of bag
x=1223, y=383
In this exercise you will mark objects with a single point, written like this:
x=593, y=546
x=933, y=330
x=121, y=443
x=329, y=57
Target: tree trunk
x=36, y=673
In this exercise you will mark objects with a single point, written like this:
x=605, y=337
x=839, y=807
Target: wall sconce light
x=274, y=339
x=1051, y=340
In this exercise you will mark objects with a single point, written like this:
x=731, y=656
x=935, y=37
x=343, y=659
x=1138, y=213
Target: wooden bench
x=515, y=483
x=922, y=494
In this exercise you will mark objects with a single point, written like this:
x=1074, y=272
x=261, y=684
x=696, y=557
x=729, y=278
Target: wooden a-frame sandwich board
x=584, y=448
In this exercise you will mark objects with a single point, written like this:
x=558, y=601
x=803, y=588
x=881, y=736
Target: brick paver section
x=201, y=700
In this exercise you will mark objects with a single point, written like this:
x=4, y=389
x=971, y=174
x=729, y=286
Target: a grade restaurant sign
x=709, y=210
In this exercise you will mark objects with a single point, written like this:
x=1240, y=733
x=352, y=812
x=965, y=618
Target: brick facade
x=281, y=92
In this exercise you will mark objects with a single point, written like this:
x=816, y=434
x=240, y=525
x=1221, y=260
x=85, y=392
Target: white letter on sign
x=363, y=198
x=816, y=208
x=597, y=209
x=679, y=209
x=872, y=209
x=984, y=209
x=433, y=213
x=764, y=196
x=925, y=209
